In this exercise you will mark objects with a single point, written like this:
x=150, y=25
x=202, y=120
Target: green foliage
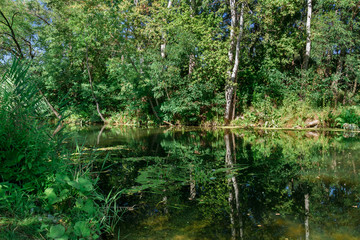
x=75, y=203
x=25, y=148
x=151, y=63
x=348, y=116
x=38, y=179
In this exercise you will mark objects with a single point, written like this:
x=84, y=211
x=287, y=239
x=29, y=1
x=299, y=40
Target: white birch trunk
x=163, y=45
x=308, y=34
x=307, y=211
x=232, y=31
x=192, y=56
x=230, y=89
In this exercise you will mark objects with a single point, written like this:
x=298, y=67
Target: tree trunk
x=58, y=128
x=354, y=88
x=163, y=45
x=192, y=56
x=339, y=70
x=153, y=109
x=56, y=113
x=230, y=88
x=234, y=193
x=191, y=63
x=308, y=34
x=192, y=185
x=91, y=88
x=99, y=135
x=307, y=211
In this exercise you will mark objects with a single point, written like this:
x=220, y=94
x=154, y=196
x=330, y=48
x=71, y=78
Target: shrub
x=348, y=116
x=37, y=180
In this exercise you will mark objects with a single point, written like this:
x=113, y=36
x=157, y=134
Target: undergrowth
x=296, y=113
x=43, y=193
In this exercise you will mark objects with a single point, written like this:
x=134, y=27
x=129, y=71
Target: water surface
x=222, y=184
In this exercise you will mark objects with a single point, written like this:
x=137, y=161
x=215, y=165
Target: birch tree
x=308, y=34
x=163, y=44
x=234, y=52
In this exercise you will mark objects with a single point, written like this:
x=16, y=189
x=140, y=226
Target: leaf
x=82, y=229
x=62, y=178
x=82, y=184
x=65, y=237
x=89, y=206
x=63, y=194
x=51, y=195
x=56, y=231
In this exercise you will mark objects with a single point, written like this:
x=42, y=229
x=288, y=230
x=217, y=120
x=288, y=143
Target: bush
x=37, y=180
x=24, y=141
x=348, y=116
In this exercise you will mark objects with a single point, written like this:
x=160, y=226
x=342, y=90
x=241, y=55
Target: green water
x=222, y=184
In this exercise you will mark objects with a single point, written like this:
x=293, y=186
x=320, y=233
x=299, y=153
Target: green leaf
x=86, y=184
x=82, y=229
x=65, y=237
x=51, y=195
x=89, y=206
x=62, y=178
x=82, y=184
x=63, y=194
x=56, y=231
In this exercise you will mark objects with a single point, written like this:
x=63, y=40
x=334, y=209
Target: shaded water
x=199, y=184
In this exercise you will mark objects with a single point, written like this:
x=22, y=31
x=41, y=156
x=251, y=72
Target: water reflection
x=234, y=202
x=197, y=184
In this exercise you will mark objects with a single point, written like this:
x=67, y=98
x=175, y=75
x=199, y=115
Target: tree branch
x=41, y=18
x=91, y=87
x=12, y=18
x=30, y=46
x=12, y=33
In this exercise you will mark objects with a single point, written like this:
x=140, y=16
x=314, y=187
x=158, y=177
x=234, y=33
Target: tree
x=308, y=34
x=230, y=88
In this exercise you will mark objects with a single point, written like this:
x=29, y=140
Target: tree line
x=187, y=61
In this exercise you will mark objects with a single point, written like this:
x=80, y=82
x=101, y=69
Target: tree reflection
x=272, y=185
x=234, y=203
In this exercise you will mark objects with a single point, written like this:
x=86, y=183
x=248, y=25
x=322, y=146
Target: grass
x=27, y=228
x=297, y=115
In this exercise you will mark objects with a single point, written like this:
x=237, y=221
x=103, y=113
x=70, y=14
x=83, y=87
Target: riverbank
x=293, y=117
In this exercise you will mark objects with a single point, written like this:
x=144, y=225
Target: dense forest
x=188, y=62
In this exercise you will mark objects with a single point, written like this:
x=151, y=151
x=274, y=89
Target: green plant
x=24, y=139
x=348, y=116
x=39, y=178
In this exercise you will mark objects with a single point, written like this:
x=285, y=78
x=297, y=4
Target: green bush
x=38, y=180
x=24, y=143
x=348, y=116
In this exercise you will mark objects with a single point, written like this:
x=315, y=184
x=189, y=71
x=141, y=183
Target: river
x=192, y=183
